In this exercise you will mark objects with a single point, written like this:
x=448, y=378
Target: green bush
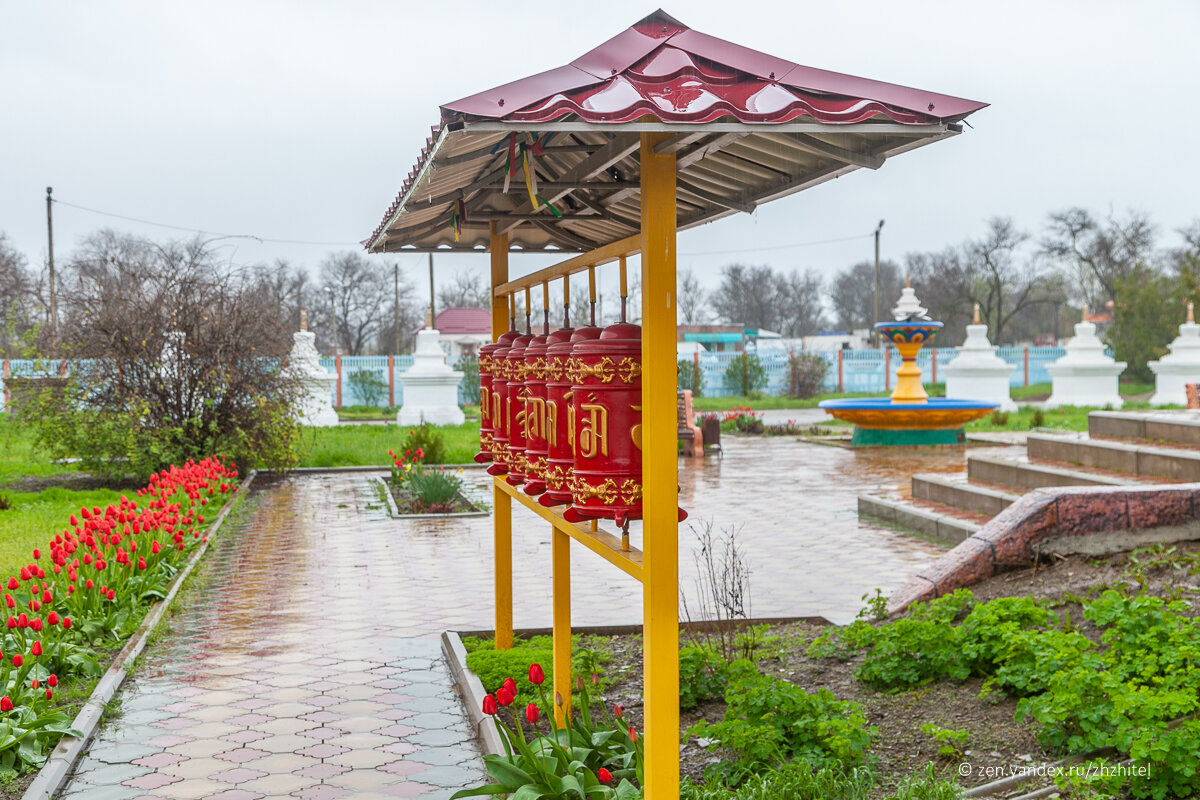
x=691, y=376
x=703, y=676
x=745, y=375
x=469, y=367
x=368, y=387
x=806, y=374
x=435, y=488
x=428, y=440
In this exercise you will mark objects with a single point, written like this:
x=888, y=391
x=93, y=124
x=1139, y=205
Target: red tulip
x=504, y=697
x=52, y=618
x=66, y=622
x=36, y=554
x=49, y=694
x=511, y=685
x=52, y=680
x=632, y=734
x=536, y=676
x=36, y=649
x=35, y=683
x=17, y=660
x=489, y=705
x=618, y=711
x=6, y=703
x=531, y=712
x=12, y=583
x=604, y=775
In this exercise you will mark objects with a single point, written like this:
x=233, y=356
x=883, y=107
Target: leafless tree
x=357, y=294
x=692, y=300
x=852, y=293
x=466, y=290
x=18, y=297
x=288, y=288
x=760, y=297
x=1098, y=254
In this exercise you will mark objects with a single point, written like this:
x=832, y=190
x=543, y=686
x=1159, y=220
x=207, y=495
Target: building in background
x=461, y=331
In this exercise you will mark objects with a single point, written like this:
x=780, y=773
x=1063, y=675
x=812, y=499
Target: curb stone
x=53, y=775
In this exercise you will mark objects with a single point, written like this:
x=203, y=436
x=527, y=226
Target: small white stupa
x=1179, y=367
x=314, y=407
x=430, y=386
x=1085, y=376
x=977, y=373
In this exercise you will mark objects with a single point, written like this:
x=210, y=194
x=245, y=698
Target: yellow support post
x=660, y=585
x=501, y=502
x=561, y=557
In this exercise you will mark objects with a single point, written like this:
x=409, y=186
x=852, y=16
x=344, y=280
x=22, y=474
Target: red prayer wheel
x=560, y=455
x=485, y=403
x=535, y=416
x=514, y=404
x=498, y=415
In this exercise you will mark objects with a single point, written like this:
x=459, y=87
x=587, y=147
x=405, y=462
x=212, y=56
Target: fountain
x=1180, y=367
x=909, y=416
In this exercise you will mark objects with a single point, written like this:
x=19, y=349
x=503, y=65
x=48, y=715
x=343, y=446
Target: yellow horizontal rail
x=629, y=246
x=603, y=543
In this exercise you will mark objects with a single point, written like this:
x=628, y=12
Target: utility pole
x=877, y=230
x=431, y=315
x=53, y=281
x=396, y=310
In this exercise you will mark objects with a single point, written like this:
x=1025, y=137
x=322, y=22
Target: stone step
x=934, y=520
x=1025, y=476
x=961, y=494
x=1129, y=457
x=1174, y=427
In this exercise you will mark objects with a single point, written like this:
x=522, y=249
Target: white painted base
x=316, y=411
x=430, y=398
x=1169, y=383
x=992, y=388
x=1085, y=386
x=434, y=415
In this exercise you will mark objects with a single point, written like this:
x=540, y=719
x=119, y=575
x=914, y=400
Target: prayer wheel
x=514, y=403
x=560, y=438
x=535, y=416
x=498, y=416
x=485, y=403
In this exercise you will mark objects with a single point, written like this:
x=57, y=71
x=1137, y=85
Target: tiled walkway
x=310, y=665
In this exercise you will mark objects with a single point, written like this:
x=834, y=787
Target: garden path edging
x=53, y=775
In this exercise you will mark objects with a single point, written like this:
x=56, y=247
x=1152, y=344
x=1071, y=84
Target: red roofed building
x=462, y=330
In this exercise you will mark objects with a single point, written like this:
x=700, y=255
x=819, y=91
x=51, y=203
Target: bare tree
x=760, y=297
x=1099, y=254
x=691, y=299
x=287, y=288
x=18, y=297
x=357, y=294
x=852, y=293
x=467, y=290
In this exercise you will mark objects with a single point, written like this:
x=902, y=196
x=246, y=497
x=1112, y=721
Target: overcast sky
x=299, y=120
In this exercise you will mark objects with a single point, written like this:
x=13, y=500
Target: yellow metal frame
x=657, y=567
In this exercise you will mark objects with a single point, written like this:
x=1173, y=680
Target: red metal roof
x=463, y=320
x=662, y=68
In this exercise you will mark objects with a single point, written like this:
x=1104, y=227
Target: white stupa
x=977, y=373
x=430, y=386
x=1179, y=367
x=1085, y=376
x=314, y=407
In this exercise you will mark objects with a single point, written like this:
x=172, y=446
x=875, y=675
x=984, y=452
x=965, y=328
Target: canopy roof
x=748, y=128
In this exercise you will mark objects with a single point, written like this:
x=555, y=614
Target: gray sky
x=299, y=120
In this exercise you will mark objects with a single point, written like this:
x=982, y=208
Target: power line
x=778, y=247
x=260, y=239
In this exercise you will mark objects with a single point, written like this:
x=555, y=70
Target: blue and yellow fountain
x=909, y=417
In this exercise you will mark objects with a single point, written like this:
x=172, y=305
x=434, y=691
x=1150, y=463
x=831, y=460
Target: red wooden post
x=337, y=361
x=887, y=369
x=6, y=384
x=62, y=368
x=391, y=381
x=933, y=352
x=696, y=372
x=1026, y=366
x=840, y=383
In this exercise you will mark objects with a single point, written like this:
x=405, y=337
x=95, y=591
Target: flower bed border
x=61, y=760
x=394, y=510
x=471, y=689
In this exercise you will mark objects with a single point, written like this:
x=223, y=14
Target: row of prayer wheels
x=561, y=416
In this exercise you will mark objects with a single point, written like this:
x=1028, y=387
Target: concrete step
x=1024, y=476
x=933, y=519
x=961, y=494
x=1173, y=427
x=1133, y=458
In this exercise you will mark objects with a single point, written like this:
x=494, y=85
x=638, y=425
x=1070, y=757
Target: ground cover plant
x=368, y=445
x=86, y=590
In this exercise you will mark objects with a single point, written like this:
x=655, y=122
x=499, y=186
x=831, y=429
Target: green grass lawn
x=35, y=518
x=368, y=445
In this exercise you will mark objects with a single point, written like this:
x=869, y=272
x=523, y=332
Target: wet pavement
x=310, y=665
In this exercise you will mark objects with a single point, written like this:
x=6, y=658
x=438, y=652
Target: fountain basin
x=882, y=422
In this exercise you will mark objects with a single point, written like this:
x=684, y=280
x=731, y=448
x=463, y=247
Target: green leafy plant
x=950, y=742
x=703, y=676
x=691, y=377
x=435, y=489
x=795, y=781
x=469, y=367
x=427, y=440
x=1038, y=420
x=806, y=374
x=368, y=387
x=745, y=375
x=999, y=418
x=875, y=606
x=927, y=785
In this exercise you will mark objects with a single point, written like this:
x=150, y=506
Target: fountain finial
x=1191, y=312
x=976, y=321
x=909, y=308
x=303, y=320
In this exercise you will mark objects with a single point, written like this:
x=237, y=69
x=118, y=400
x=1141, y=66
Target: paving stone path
x=309, y=666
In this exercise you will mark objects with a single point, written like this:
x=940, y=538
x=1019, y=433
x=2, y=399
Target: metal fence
x=375, y=380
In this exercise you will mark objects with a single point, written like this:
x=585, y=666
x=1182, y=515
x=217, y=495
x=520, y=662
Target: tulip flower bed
x=418, y=489
x=86, y=591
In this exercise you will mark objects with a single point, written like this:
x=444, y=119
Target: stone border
x=394, y=510
x=471, y=688
x=61, y=760
x=1094, y=520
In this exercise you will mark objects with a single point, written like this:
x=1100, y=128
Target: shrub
x=703, y=676
x=691, y=376
x=1038, y=419
x=745, y=375
x=999, y=418
x=175, y=358
x=469, y=386
x=434, y=489
x=806, y=374
x=368, y=387
x=428, y=440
